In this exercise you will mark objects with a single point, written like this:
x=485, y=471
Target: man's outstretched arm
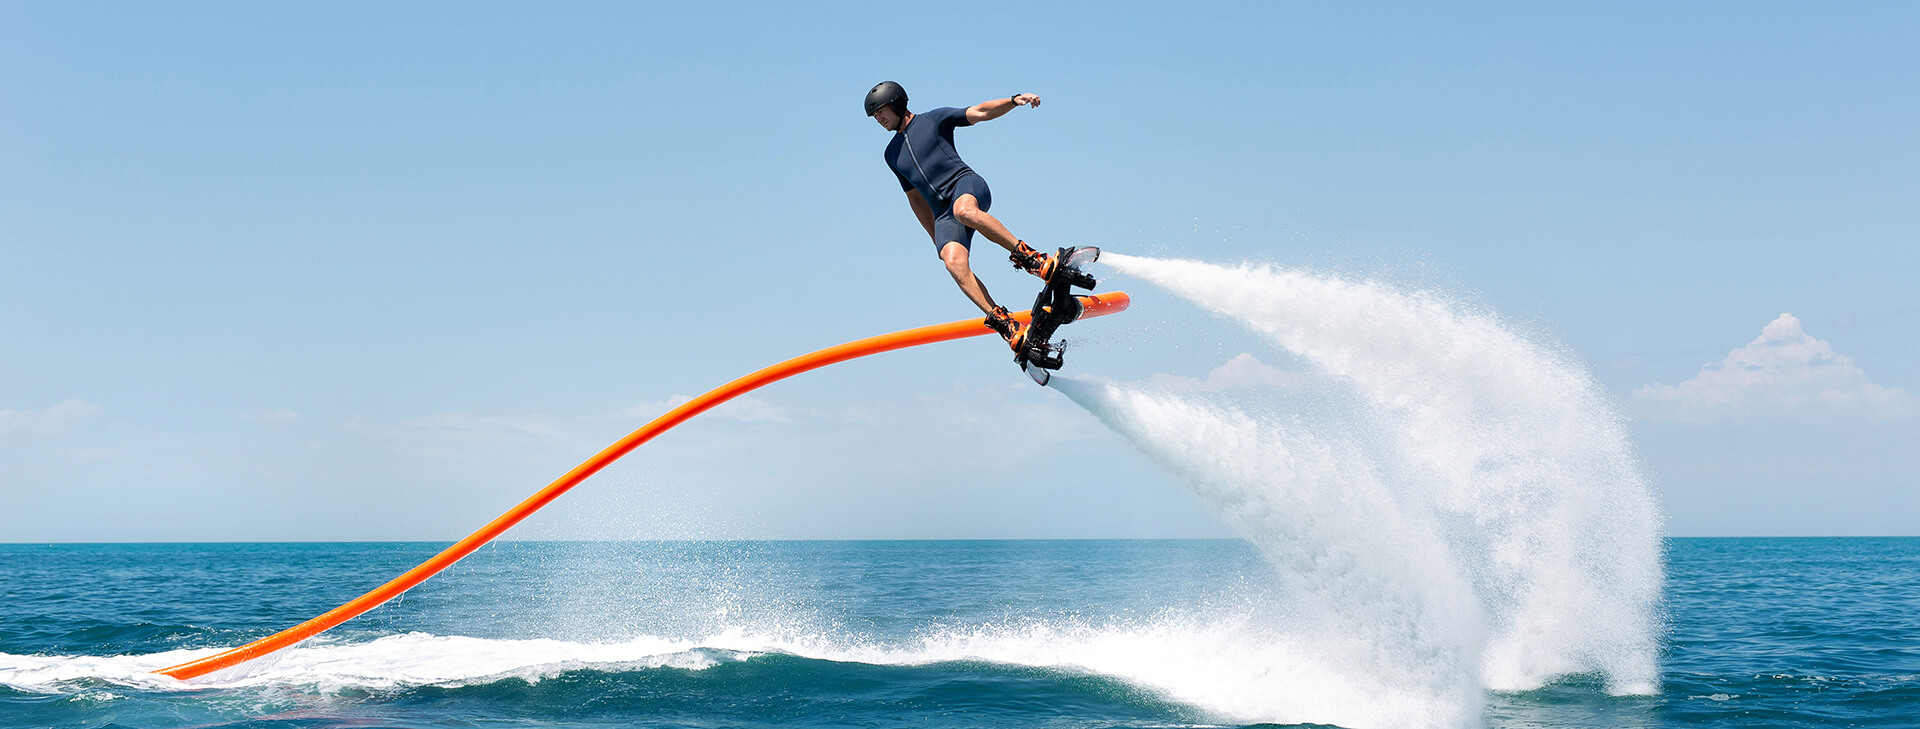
x=987, y=110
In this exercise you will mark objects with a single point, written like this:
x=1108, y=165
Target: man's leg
x=1010, y=329
x=967, y=210
x=955, y=256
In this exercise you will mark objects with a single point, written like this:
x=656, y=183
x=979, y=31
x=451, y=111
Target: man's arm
x=921, y=210
x=989, y=110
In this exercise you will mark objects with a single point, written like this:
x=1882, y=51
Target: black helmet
x=887, y=93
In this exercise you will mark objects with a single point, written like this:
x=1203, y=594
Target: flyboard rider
x=951, y=200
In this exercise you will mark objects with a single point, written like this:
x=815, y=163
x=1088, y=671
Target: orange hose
x=1096, y=305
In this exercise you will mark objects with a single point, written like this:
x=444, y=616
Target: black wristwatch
x=1015, y=96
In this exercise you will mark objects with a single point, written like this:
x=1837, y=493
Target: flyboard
x=1056, y=306
x=1052, y=317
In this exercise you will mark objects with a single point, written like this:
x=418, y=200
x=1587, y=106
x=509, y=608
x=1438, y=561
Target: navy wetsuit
x=923, y=157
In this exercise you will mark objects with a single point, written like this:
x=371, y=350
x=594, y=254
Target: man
x=950, y=200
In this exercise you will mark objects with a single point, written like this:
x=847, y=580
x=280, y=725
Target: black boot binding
x=1009, y=328
x=1055, y=307
x=1027, y=259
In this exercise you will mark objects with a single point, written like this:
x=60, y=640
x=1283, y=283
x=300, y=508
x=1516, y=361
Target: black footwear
x=1027, y=259
x=1009, y=328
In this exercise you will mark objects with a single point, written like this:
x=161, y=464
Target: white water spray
x=1481, y=524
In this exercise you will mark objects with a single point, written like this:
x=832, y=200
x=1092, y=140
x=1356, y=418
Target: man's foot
x=1027, y=259
x=1009, y=328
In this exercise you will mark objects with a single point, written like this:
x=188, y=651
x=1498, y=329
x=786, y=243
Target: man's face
x=888, y=118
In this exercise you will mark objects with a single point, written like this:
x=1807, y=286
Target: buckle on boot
x=1027, y=259
x=1001, y=321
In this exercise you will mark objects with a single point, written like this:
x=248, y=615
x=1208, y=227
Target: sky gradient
x=360, y=271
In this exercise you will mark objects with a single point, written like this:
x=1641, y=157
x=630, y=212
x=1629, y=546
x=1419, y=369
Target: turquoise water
x=1760, y=633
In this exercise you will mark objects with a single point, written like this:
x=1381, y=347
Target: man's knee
x=955, y=256
x=967, y=210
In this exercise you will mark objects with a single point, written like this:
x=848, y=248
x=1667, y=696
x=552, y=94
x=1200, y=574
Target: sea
x=1140, y=633
x=1442, y=522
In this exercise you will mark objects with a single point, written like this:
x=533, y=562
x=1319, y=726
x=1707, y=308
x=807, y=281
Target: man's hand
x=1032, y=100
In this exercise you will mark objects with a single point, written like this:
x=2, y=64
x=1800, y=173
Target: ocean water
x=1444, y=525
x=1759, y=633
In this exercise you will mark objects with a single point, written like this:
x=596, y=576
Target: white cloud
x=50, y=421
x=471, y=424
x=744, y=409
x=91, y=453
x=749, y=409
x=653, y=409
x=270, y=416
x=1785, y=374
x=1244, y=371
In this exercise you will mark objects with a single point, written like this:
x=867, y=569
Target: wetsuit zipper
x=916, y=162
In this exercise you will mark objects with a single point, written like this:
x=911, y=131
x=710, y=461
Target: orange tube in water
x=1096, y=305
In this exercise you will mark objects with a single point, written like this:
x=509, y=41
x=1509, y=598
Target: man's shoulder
x=945, y=114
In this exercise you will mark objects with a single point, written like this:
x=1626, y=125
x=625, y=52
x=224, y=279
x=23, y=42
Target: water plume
x=1475, y=518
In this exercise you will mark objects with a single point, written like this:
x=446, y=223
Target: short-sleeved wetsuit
x=923, y=157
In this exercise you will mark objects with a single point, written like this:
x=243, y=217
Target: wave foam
x=412, y=659
x=1478, y=521
x=1235, y=667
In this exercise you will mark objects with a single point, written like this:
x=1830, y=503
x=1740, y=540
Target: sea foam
x=1227, y=661
x=1476, y=521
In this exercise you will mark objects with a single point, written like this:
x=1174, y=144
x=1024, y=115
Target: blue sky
x=359, y=271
